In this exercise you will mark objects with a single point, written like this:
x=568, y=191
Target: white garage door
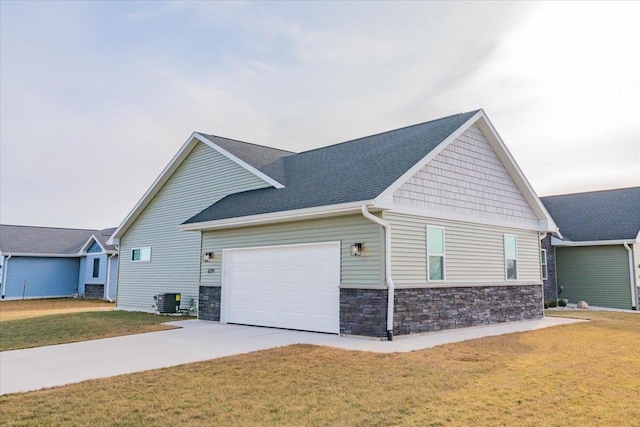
x=294, y=287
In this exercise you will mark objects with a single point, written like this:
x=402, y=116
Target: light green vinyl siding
x=203, y=178
x=365, y=270
x=598, y=275
x=474, y=253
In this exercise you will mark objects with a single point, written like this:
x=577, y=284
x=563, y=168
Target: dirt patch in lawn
x=571, y=375
x=24, y=309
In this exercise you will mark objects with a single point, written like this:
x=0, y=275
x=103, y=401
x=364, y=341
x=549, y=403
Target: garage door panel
x=295, y=287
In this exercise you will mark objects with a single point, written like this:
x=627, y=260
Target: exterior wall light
x=208, y=256
x=356, y=249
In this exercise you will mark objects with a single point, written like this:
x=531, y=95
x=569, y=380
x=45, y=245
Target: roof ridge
x=248, y=143
x=389, y=131
x=45, y=226
x=591, y=192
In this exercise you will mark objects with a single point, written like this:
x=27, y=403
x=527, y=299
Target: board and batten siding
x=598, y=275
x=474, y=253
x=203, y=178
x=366, y=270
x=467, y=178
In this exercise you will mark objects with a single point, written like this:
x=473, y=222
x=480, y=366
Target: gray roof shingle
x=596, y=215
x=351, y=171
x=48, y=240
x=258, y=156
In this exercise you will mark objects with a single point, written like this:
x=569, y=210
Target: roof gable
x=356, y=170
x=249, y=156
x=467, y=179
x=597, y=215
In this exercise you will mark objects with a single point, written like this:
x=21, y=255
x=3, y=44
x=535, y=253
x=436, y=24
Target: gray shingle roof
x=48, y=240
x=258, y=156
x=351, y=171
x=596, y=215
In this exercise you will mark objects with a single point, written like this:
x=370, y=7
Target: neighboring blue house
x=46, y=262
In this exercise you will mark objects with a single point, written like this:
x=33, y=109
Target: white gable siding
x=467, y=178
x=203, y=178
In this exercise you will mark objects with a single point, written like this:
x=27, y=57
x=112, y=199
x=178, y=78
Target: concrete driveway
x=56, y=365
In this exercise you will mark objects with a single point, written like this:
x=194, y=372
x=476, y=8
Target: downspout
x=106, y=288
x=5, y=275
x=634, y=298
x=387, y=266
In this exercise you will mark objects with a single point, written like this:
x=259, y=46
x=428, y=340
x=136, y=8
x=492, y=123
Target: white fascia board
x=387, y=194
x=164, y=176
x=242, y=163
x=25, y=254
x=638, y=237
x=275, y=217
x=515, y=172
x=450, y=216
x=557, y=242
x=86, y=246
x=168, y=171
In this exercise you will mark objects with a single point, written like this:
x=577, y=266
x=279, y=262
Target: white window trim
x=140, y=249
x=504, y=244
x=543, y=266
x=443, y=254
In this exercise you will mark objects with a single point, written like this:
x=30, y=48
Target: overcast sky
x=97, y=97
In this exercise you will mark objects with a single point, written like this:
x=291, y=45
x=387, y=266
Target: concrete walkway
x=33, y=369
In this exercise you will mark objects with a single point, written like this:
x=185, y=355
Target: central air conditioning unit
x=167, y=303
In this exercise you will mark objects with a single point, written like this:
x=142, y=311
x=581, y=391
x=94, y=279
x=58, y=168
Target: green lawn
x=66, y=328
x=573, y=375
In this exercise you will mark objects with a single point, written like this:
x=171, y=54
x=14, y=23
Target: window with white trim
x=511, y=257
x=543, y=263
x=435, y=253
x=141, y=254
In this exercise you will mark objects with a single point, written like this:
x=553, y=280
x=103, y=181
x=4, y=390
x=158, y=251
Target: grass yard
x=13, y=310
x=572, y=375
x=36, y=323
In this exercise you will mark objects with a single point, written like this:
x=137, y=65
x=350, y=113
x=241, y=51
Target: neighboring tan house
x=48, y=262
x=598, y=258
x=423, y=228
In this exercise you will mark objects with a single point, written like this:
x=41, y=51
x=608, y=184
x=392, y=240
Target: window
x=141, y=254
x=511, y=256
x=435, y=253
x=543, y=262
x=96, y=267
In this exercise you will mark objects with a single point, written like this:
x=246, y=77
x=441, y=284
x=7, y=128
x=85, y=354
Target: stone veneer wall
x=550, y=283
x=209, y=303
x=363, y=312
x=418, y=310
x=93, y=291
x=434, y=309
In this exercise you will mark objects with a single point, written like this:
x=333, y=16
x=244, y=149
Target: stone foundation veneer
x=363, y=312
x=209, y=303
x=418, y=310
x=93, y=291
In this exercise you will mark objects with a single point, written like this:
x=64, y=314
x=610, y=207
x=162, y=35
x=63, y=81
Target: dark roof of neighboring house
x=22, y=239
x=351, y=171
x=596, y=215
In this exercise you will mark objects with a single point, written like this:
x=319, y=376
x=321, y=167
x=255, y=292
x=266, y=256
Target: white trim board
x=168, y=171
x=557, y=242
x=86, y=246
x=275, y=217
